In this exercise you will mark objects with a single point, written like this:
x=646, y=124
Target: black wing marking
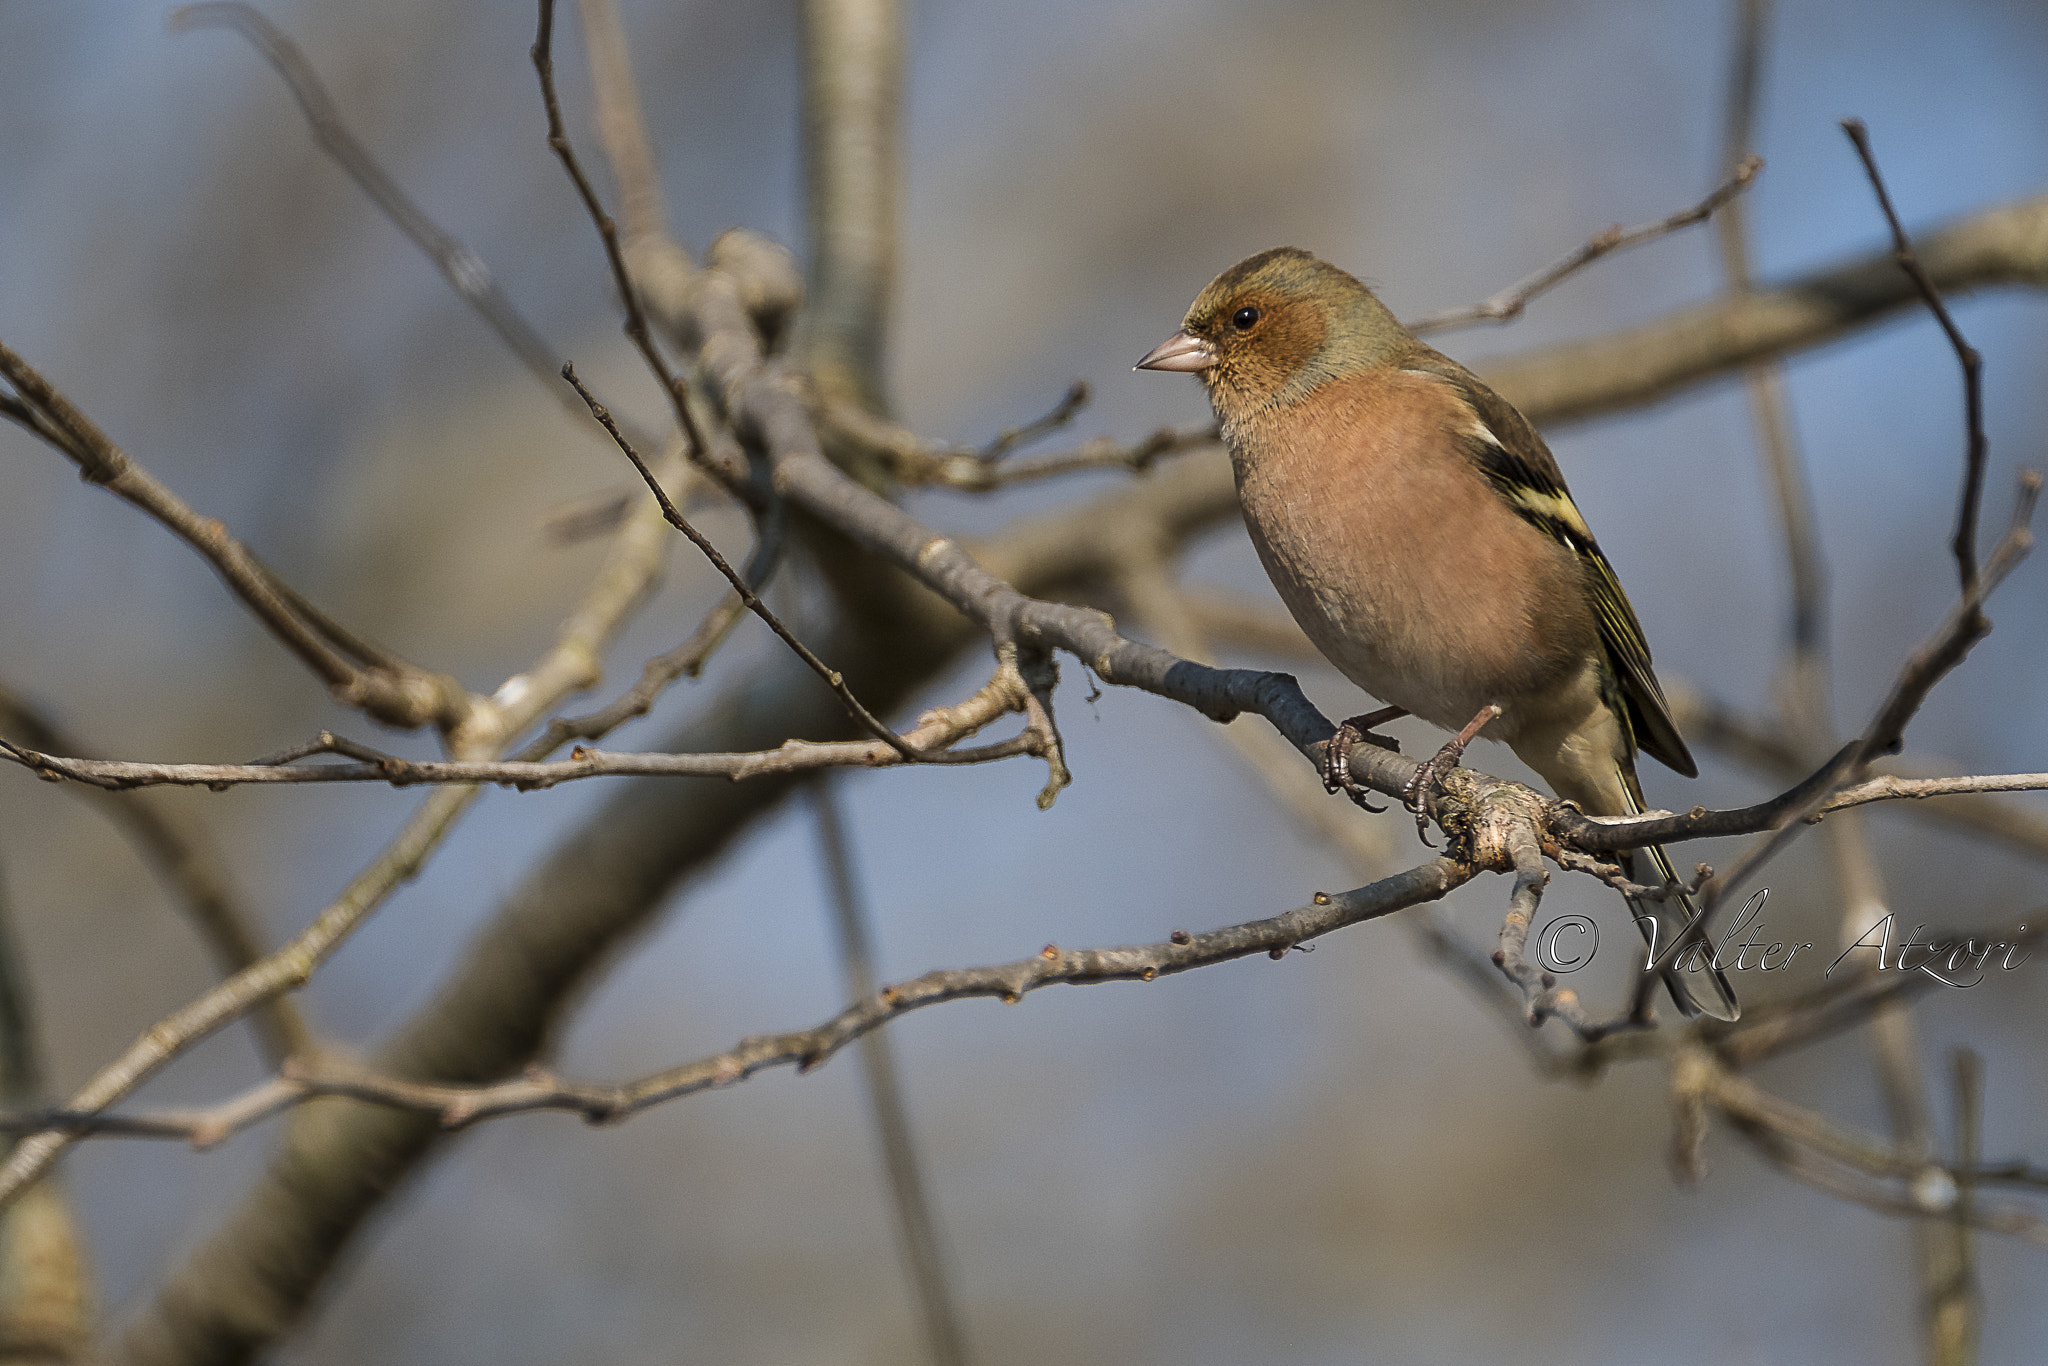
x=1515, y=460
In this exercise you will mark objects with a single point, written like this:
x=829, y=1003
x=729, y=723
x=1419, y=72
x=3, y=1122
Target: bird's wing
x=1524, y=472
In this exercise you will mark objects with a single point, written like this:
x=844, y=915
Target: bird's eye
x=1244, y=319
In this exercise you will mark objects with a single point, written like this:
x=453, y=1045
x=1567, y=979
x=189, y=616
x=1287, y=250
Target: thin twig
x=1922, y=670
x=1808, y=689
x=805, y=1049
x=1976, y=445
x=1928, y=665
x=910, y=459
x=792, y=756
x=833, y=678
x=1848, y=999
x=630, y=568
x=466, y=272
x=1889, y=785
x=1610, y=873
x=257, y=984
x=1509, y=303
x=636, y=319
x=377, y=766
x=1542, y=996
x=1633, y=366
x=191, y=871
x=382, y=686
x=2016, y=1173
x=1798, y=1164
x=1010, y=438
x=1765, y=384
x=934, y=735
x=1766, y=746
x=686, y=660
x=1745, y=89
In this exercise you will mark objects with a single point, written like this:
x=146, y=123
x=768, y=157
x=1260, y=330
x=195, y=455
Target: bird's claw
x=1418, y=795
x=1337, y=753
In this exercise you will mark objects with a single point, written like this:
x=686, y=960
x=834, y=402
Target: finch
x=1421, y=534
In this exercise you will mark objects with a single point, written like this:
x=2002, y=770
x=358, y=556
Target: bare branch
x=686, y=660
x=1847, y=1000
x=734, y=478
x=833, y=678
x=1508, y=304
x=910, y=459
x=1766, y=387
x=1761, y=745
x=1890, y=786
x=1610, y=873
x=801, y=756
x=1639, y=365
x=1808, y=688
x=466, y=272
x=600, y=886
x=191, y=871
x=246, y=990
x=1975, y=443
x=1767, y=747
x=807, y=1049
x=1853, y=1167
x=1926, y=666
x=792, y=756
x=763, y=398
x=1542, y=997
x=1012, y=618
x=383, y=687
x=629, y=569
x=1956, y=1315
x=1172, y=616
x=250, y=1279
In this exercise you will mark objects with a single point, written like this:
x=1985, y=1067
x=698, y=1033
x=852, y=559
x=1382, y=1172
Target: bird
x=1421, y=534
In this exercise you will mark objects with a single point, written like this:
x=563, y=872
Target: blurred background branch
x=46, y=1305
x=853, y=181
x=192, y=871
x=1806, y=699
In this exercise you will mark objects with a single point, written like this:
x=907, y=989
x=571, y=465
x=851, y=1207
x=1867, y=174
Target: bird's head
x=1273, y=328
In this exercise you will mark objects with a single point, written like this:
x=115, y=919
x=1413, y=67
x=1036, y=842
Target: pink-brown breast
x=1399, y=560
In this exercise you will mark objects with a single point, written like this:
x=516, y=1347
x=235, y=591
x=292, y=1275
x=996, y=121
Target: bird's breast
x=1399, y=560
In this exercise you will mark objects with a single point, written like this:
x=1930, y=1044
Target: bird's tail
x=1696, y=985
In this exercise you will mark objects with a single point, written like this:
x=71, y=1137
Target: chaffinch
x=1421, y=534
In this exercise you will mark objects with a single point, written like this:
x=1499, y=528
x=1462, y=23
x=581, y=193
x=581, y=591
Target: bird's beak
x=1181, y=351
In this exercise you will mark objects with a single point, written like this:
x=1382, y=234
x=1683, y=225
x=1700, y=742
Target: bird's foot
x=1337, y=752
x=1419, y=796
